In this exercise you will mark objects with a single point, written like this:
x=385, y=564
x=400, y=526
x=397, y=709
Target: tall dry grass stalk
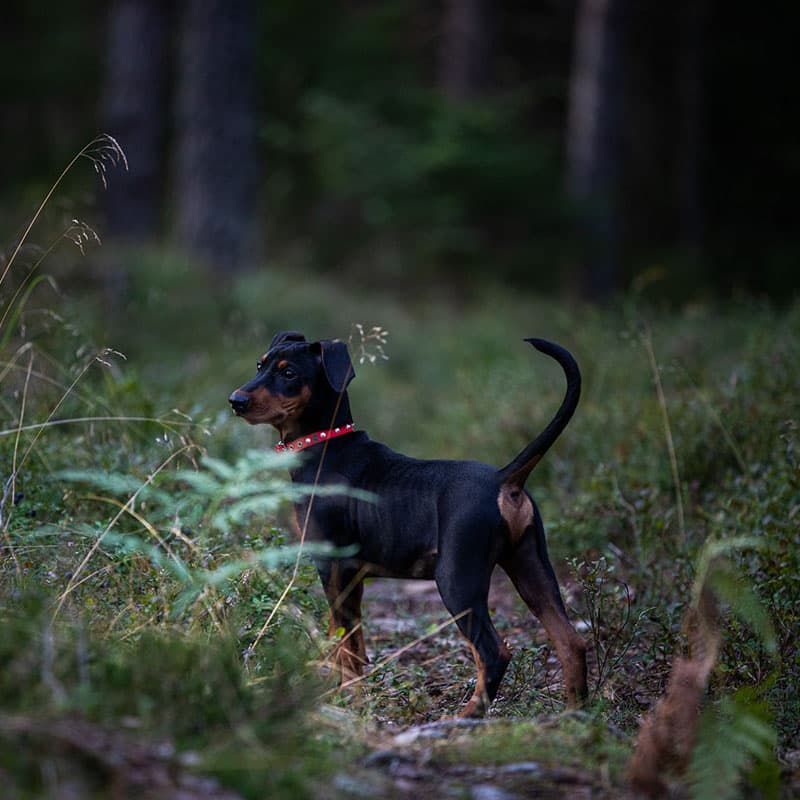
x=647, y=342
x=103, y=151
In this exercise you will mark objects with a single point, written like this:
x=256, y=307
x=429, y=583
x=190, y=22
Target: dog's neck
x=317, y=418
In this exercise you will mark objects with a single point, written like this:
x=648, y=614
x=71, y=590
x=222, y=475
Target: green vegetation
x=150, y=590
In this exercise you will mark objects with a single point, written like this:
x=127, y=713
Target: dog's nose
x=239, y=402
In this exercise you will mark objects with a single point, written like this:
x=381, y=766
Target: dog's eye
x=259, y=365
x=289, y=372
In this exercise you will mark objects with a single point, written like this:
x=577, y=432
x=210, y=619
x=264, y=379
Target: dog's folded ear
x=286, y=336
x=336, y=363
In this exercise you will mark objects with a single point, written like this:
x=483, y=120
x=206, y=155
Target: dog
x=447, y=521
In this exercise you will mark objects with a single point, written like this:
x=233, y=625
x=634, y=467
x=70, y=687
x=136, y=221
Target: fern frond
x=744, y=603
x=113, y=483
x=735, y=740
x=716, y=571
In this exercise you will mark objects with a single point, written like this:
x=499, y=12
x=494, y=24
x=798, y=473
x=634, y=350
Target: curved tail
x=516, y=473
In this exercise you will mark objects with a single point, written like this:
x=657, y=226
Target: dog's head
x=293, y=377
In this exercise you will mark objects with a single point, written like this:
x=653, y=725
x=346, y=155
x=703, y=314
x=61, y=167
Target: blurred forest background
x=579, y=145
x=614, y=175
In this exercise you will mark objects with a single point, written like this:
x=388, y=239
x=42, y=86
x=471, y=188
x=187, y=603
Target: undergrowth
x=149, y=582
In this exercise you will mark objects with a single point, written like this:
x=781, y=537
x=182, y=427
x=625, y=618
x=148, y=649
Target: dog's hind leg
x=491, y=659
x=488, y=649
x=532, y=574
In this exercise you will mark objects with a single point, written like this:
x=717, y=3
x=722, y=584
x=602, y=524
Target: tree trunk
x=691, y=81
x=216, y=155
x=594, y=146
x=133, y=111
x=467, y=51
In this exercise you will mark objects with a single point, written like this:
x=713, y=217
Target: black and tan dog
x=449, y=521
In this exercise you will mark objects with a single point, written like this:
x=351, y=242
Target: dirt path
x=415, y=687
x=440, y=667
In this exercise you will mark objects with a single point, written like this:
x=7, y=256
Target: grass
x=145, y=541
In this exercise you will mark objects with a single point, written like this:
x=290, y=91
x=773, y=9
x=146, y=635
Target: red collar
x=313, y=438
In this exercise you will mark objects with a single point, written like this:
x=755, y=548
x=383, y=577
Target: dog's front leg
x=344, y=587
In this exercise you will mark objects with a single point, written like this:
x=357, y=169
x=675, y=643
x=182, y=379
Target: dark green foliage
x=483, y=184
x=188, y=691
x=617, y=629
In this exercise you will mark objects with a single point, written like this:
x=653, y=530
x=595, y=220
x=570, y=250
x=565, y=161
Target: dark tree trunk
x=594, y=145
x=467, y=50
x=216, y=155
x=133, y=111
x=691, y=82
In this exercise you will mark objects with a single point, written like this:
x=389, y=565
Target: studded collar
x=304, y=442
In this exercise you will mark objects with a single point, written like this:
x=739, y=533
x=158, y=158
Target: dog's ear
x=336, y=363
x=286, y=336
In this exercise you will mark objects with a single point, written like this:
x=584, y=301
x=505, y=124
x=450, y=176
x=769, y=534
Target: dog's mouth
x=260, y=417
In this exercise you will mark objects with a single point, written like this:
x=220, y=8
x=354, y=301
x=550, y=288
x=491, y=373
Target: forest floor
x=417, y=748
x=160, y=636
x=399, y=612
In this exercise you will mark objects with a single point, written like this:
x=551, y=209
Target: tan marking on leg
x=516, y=509
x=570, y=647
x=478, y=704
x=294, y=521
x=480, y=701
x=350, y=654
x=571, y=651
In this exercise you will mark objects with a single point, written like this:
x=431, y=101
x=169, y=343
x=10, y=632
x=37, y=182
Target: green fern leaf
x=735, y=740
x=744, y=602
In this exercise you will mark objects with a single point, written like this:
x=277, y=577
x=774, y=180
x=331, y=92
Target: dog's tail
x=516, y=473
